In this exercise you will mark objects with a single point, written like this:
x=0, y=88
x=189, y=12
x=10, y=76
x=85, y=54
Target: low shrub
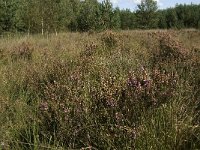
x=22, y=52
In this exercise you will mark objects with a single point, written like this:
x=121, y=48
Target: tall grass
x=124, y=90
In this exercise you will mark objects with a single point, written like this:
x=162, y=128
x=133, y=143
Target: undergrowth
x=100, y=91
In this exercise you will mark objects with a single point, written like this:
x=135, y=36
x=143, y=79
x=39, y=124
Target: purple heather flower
x=145, y=83
x=133, y=82
x=44, y=106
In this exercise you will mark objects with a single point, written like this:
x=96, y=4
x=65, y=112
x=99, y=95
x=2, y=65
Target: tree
x=106, y=14
x=25, y=17
x=1, y=16
x=65, y=14
x=198, y=25
x=37, y=16
x=180, y=16
x=110, y=18
x=7, y=11
x=75, y=6
x=88, y=16
x=127, y=19
x=115, y=19
x=162, y=24
x=47, y=11
x=171, y=18
x=146, y=16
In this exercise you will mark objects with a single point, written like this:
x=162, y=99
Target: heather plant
x=133, y=94
x=110, y=39
x=22, y=51
x=90, y=50
x=169, y=49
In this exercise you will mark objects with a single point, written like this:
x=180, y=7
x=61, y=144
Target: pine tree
x=127, y=19
x=106, y=14
x=115, y=19
x=146, y=16
x=171, y=18
x=162, y=24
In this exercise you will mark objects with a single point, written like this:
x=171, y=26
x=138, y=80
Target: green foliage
x=162, y=23
x=110, y=18
x=106, y=14
x=127, y=19
x=146, y=14
x=171, y=18
x=88, y=18
x=25, y=18
x=65, y=15
x=116, y=21
x=182, y=16
x=95, y=16
x=50, y=16
x=7, y=11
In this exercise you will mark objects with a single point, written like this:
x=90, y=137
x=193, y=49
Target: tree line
x=41, y=16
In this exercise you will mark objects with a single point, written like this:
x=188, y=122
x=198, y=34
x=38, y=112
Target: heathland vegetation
x=114, y=89
x=124, y=90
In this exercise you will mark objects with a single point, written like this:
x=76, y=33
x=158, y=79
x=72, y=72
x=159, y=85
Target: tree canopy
x=45, y=16
x=146, y=14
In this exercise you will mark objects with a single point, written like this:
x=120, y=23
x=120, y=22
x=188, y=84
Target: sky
x=162, y=4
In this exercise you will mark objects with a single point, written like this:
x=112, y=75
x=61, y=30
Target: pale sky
x=132, y=4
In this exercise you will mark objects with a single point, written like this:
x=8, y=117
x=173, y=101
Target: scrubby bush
x=110, y=39
x=23, y=51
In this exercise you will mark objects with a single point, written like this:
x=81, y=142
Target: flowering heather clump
x=90, y=49
x=44, y=106
x=152, y=88
x=110, y=39
x=73, y=95
x=23, y=51
x=170, y=49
